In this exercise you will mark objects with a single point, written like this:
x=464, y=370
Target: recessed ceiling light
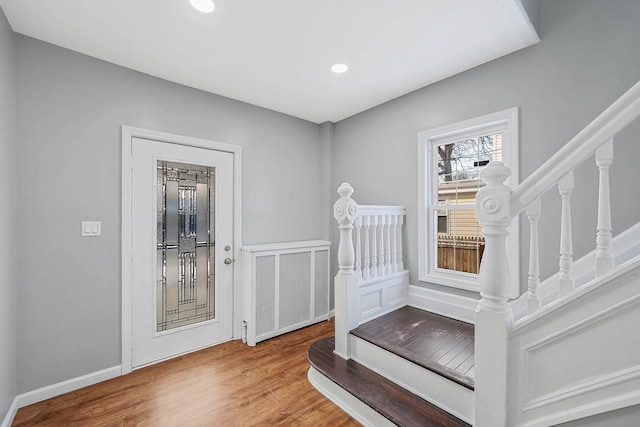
x=204, y=6
x=339, y=68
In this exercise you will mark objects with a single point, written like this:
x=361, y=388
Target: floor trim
x=11, y=413
x=53, y=390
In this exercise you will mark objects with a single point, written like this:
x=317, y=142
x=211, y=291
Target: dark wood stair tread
x=398, y=405
x=438, y=343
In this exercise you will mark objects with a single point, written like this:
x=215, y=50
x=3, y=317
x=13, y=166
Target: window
x=451, y=159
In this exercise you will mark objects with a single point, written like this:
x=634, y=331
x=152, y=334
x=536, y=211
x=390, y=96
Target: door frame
x=128, y=133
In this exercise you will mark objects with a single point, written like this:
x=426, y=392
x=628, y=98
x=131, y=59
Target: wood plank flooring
x=437, y=343
x=227, y=385
x=393, y=402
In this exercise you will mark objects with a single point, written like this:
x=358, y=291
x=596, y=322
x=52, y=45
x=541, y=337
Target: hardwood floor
x=440, y=344
x=227, y=385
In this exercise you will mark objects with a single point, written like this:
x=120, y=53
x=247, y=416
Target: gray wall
x=8, y=275
x=70, y=108
x=587, y=58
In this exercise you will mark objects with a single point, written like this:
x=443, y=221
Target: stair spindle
x=400, y=261
x=387, y=248
x=604, y=258
x=366, y=274
x=394, y=243
x=533, y=298
x=374, y=246
x=358, y=227
x=565, y=281
x=381, y=254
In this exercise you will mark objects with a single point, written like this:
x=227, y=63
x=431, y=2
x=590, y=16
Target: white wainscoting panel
x=383, y=295
x=580, y=356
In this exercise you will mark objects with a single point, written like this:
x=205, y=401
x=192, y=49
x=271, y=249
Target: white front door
x=181, y=249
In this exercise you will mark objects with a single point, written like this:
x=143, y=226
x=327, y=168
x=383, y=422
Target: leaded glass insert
x=185, y=257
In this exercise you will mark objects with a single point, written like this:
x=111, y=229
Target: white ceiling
x=277, y=53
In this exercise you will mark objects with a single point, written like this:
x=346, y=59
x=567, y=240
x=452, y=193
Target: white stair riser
x=447, y=395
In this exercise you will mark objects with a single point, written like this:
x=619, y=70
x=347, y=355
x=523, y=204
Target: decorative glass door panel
x=182, y=249
x=185, y=279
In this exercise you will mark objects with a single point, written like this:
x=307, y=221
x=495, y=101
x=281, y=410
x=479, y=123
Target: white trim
x=128, y=133
x=11, y=413
x=587, y=410
x=353, y=406
x=444, y=303
x=509, y=120
x=63, y=387
x=591, y=385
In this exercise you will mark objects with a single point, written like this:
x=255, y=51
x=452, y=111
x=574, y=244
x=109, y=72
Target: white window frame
x=507, y=123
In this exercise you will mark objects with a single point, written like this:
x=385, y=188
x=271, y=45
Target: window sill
x=452, y=280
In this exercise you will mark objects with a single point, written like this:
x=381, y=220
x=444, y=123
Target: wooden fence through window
x=460, y=253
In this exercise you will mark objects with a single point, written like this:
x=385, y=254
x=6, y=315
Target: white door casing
x=141, y=344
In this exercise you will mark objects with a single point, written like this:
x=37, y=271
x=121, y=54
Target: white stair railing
x=370, y=261
x=378, y=230
x=497, y=205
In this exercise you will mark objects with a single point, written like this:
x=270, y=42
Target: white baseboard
x=446, y=304
x=11, y=414
x=353, y=406
x=63, y=387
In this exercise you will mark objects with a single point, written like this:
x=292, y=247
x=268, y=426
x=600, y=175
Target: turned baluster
x=387, y=247
x=400, y=261
x=394, y=243
x=366, y=274
x=358, y=227
x=604, y=258
x=533, y=297
x=374, y=246
x=565, y=281
x=381, y=255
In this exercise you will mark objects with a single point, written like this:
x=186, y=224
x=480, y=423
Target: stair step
x=390, y=400
x=437, y=343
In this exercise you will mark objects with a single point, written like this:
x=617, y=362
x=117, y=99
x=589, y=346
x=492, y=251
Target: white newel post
x=604, y=258
x=494, y=317
x=345, y=211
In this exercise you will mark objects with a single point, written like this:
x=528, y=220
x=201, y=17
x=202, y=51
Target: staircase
x=567, y=352
x=426, y=355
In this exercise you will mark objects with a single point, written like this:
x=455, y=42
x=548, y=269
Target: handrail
x=497, y=205
x=617, y=116
x=380, y=210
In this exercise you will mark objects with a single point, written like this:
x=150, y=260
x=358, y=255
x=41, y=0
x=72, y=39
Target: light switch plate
x=91, y=228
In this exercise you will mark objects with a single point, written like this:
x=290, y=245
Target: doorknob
x=228, y=261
